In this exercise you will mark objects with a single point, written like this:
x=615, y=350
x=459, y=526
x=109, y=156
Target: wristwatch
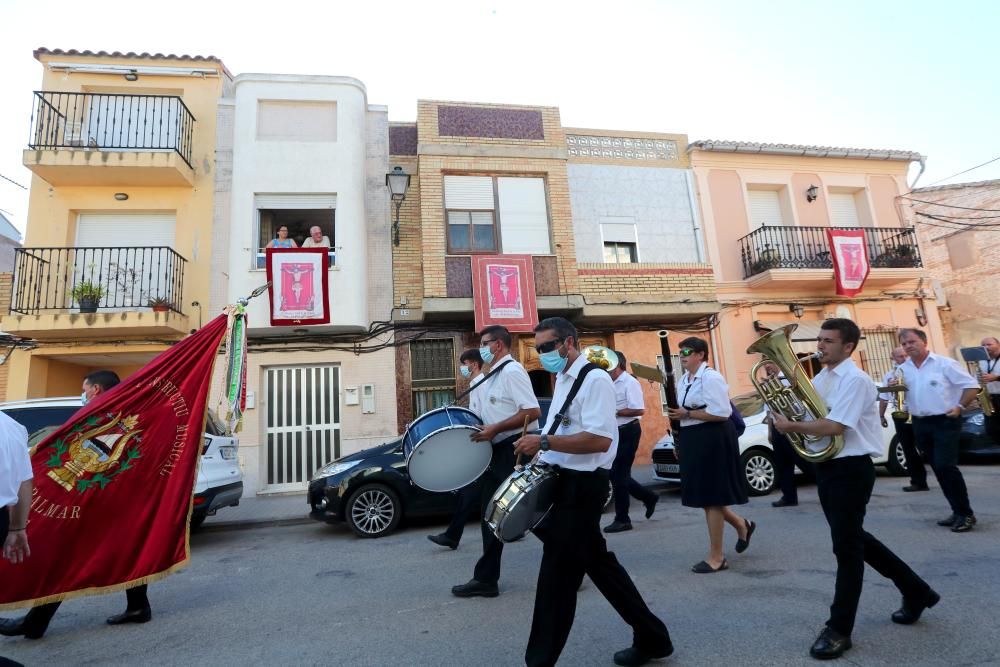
x=545, y=442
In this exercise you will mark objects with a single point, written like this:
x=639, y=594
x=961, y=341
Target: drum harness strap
x=561, y=415
x=481, y=382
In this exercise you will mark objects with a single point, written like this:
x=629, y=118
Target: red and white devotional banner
x=850, y=260
x=299, y=288
x=503, y=289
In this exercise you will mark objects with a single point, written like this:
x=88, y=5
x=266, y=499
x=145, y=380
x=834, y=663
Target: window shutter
x=125, y=230
x=618, y=232
x=765, y=209
x=843, y=210
x=299, y=201
x=524, y=219
x=470, y=192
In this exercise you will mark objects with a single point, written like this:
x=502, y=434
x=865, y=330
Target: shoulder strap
x=561, y=415
x=481, y=382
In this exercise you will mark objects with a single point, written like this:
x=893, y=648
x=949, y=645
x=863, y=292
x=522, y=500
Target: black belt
x=634, y=421
x=933, y=417
x=569, y=472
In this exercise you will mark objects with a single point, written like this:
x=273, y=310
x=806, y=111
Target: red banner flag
x=114, y=485
x=298, y=282
x=503, y=289
x=850, y=260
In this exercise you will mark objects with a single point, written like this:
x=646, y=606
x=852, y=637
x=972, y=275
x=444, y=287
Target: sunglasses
x=685, y=352
x=548, y=346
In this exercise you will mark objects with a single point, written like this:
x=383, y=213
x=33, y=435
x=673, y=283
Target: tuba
x=797, y=402
x=603, y=357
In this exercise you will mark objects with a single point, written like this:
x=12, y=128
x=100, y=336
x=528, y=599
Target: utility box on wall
x=367, y=399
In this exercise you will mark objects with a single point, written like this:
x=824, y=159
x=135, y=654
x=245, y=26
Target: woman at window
x=282, y=240
x=709, y=453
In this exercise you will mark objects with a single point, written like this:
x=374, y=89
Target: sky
x=916, y=75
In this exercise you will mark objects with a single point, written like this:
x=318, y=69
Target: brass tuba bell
x=797, y=402
x=604, y=357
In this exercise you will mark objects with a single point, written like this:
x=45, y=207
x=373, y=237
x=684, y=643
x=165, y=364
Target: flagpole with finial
x=236, y=359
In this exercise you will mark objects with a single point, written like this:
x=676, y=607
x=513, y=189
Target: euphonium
x=799, y=401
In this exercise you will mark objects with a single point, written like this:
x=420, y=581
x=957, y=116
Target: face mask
x=485, y=353
x=465, y=371
x=83, y=398
x=552, y=361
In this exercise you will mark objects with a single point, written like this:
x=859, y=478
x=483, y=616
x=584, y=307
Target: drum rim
x=443, y=407
x=471, y=442
x=550, y=474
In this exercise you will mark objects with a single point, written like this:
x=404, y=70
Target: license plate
x=668, y=467
x=228, y=453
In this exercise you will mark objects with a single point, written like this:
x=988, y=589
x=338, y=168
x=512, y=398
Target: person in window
x=282, y=240
x=316, y=239
x=709, y=453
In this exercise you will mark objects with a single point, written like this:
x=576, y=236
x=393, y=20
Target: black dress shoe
x=912, y=608
x=131, y=616
x=950, y=521
x=475, y=588
x=829, y=645
x=964, y=524
x=634, y=656
x=12, y=627
x=781, y=502
x=741, y=545
x=651, y=506
x=618, y=526
x=916, y=487
x=444, y=541
x=704, y=568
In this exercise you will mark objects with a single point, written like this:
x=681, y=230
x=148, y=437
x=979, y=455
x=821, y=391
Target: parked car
x=757, y=455
x=975, y=442
x=219, y=483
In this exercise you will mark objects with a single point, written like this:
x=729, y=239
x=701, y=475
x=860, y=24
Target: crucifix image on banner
x=503, y=288
x=299, y=288
x=850, y=260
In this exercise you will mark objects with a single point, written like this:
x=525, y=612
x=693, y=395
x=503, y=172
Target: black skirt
x=710, y=465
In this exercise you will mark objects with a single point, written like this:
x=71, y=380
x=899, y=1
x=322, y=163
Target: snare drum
x=439, y=454
x=521, y=502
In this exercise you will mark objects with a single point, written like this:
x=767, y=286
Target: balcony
x=96, y=292
x=797, y=254
x=110, y=139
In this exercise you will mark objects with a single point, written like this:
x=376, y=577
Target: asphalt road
x=314, y=594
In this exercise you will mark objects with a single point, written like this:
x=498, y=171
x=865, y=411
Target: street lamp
x=398, y=183
x=812, y=192
x=797, y=310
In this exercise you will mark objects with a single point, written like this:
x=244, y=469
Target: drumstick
x=524, y=432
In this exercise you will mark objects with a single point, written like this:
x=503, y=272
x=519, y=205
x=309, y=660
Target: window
x=432, y=364
x=300, y=213
x=295, y=120
x=765, y=209
x=843, y=210
x=675, y=361
x=618, y=252
x=487, y=214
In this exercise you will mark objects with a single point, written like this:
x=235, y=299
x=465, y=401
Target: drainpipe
x=699, y=240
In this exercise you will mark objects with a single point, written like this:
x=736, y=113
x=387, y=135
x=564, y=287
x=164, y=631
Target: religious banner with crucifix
x=299, y=287
x=503, y=289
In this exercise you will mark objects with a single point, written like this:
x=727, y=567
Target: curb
x=250, y=524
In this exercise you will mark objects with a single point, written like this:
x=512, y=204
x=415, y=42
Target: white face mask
x=83, y=398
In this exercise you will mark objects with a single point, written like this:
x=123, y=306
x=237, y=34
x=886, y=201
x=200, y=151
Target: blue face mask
x=465, y=371
x=485, y=353
x=83, y=398
x=552, y=361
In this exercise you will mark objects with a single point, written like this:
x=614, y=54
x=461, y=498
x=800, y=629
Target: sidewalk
x=291, y=509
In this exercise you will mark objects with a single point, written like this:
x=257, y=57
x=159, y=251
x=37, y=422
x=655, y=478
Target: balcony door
x=128, y=255
x=117, y=122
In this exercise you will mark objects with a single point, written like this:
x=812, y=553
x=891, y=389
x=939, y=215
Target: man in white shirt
x=844, y=484
x=316, y=239
x=15, y=489
x=471, y=367
x=904, y=429
x=991, y=376
x=939, y=389
x=507, y=402
x=583, y=447
x=629, y=408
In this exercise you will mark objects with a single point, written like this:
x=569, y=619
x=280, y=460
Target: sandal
x=741, y=545
x=704, y=568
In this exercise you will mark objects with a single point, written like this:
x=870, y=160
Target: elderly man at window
x=316, y=239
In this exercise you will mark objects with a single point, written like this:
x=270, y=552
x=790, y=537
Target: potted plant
x=88, y=295
x=159, y=304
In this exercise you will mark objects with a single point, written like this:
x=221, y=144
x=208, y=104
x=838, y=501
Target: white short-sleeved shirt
x=707, y=388
x=476, y=398
x=505, y=394
x=593, y=411
x=15, y=464
x=310, y=243
x=850, y=397
x=628, y=396
x=991, y=366
x=936, y=387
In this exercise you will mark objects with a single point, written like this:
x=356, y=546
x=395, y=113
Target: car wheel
x=758, y=471
x=896, y=463
x=197, y=520
x=373, y=510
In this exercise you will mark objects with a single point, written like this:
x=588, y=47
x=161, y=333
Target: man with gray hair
x=316, y=239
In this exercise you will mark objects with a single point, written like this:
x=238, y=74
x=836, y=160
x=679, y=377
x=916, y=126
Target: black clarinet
x=670, y=387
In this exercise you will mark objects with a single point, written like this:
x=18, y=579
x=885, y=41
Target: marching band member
x=584, y=448
x=914, y=462
x=991, y=376
x=844, y=484
x=939, y=388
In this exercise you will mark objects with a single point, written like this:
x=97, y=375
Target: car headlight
x=335, y=468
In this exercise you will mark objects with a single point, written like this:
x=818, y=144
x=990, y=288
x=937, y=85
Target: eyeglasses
x=548, y=346
x=685, y=352
x=484, y=343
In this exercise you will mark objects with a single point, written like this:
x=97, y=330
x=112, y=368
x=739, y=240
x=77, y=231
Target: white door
x=131, y=257
x=303, y=424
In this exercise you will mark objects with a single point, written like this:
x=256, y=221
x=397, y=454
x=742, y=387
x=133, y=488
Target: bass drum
x=439, y=454
x=521, y=502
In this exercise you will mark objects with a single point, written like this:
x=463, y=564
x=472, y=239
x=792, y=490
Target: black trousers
x=938, y=438
x=467, y=502
x=785, y=460
x=38, y=618
x=845, y=486
x=4, y=523
x=993, y=423
x=914, y=461
x=574, y=546
x=501, y=467
x=621, y=472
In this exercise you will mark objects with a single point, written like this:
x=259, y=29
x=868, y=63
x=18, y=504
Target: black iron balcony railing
x=100, y=121
x=92, y=279
x=808, y=248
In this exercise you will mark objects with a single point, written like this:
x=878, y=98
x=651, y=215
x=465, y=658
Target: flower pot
x=160, y=309
x=88, y=304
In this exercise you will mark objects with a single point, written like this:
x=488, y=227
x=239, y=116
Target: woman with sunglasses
x=709, y=453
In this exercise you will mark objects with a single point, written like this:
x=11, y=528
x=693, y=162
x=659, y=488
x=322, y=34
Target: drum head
x=447, y=460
